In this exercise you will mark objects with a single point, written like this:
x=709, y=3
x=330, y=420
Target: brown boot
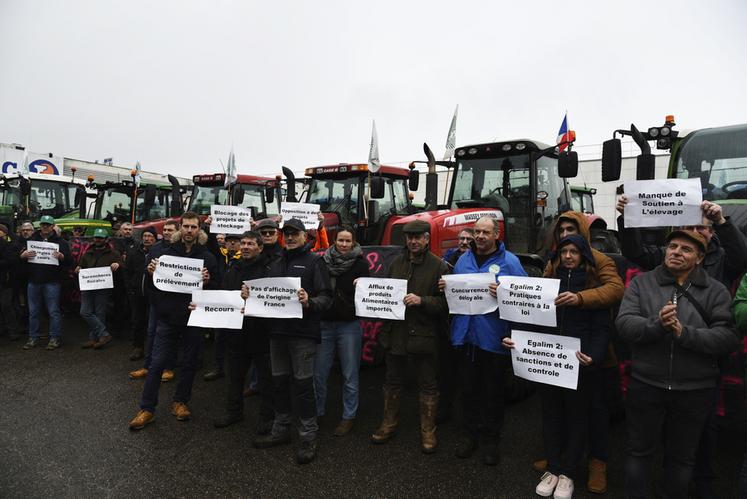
x=597, y=476
x=388, y=426
x=428, y=409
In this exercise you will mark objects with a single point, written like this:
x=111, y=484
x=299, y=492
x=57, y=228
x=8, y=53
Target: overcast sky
x=174, y=84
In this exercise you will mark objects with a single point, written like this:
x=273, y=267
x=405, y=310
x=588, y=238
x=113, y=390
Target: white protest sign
x=530, y=300
x=380, y=298
x=306, y=212
x=44, y=252
x=274, y=298
x=546, y=358
x=661, y=203
x=219, y=309
x=230, y=219
x=177, y=274
x=95, y=278
x=469, y=294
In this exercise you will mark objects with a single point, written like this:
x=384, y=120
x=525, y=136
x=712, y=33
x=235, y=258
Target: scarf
x=339, y=263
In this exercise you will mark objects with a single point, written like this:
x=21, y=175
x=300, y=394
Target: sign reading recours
x=380, y=298
x=230, y=219
x=217, y=309
x=469, y=294
x=177, y=274
x=663, y=203
x=306, y=212
x=274, y=298
x=529, y=300
x=95, y=278
x=546, y=358
x=44, y=252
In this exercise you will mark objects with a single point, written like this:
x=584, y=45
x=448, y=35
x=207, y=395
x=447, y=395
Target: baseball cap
x=294, y=224
x=100, y=233
x=47, y=219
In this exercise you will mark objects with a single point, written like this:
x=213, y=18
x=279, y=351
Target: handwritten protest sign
x=546, y=358
x=44, y=251
x=380, y=298
x=530, y=300
x=230, y=219
x=177, y=274
x=274, y=297
x=306, y=212
x=95, y=278
x=661, y=203
x=220, y=309
x=468, y=294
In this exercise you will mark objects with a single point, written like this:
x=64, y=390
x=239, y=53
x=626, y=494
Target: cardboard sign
x=95, y=278
x=274, y=298
x=380, y=298
x=546, y=358
x=469, y=294
x=306, y=212
x=217, y=309
x=529, y=300
x=177, y=274
x=663, y=203
x=230, y=219
x=44, y=251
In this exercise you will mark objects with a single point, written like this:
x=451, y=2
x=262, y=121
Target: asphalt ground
x=64, y=433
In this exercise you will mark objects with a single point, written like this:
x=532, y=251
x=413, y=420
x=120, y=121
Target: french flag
x=564, y=135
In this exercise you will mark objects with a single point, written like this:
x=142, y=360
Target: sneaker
x=103, y=340
x=181, y=411
x=53, y=344
x=87, y=344
x=141, y=419
x=306, y=451
x=138, y=373
x=547, y=485
x=167, y=376
x=564, y=490
x=31, y=343
x=271, y=440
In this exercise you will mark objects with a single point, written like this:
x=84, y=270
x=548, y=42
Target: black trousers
x=482, y=375
x=240, y=358
x=448, y=364
x=565, y=420
x=138, y=318
x=677, y=416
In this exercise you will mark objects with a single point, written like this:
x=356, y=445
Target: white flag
x=230, y=170
x=451, y=138
x=138, y=169
x=24, y=170
x=373, y=153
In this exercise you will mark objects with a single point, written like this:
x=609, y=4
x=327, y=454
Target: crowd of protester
x=677, y=318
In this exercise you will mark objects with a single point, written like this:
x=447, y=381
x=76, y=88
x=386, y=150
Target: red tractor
x=259, y=194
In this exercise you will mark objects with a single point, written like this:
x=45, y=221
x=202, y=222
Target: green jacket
x=418, y=333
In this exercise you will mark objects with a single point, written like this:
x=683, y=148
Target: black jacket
x=172, y=307
x=8, y=259
x=343, y=306
x=254, y=328
x=134, y=269
x=43, y=274
x=312, y=270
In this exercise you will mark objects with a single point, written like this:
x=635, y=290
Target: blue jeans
x=47, y=296
x=165, y=345
x=93, y=311
x=346, y=338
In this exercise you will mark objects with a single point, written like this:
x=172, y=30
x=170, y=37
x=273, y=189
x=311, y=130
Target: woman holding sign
x=341, y=329
x=565, y=412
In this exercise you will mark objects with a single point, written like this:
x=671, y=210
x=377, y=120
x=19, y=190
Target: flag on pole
x=23, y=170
x=565, y=135
x=373, y=153
x=231, y=170
x=451, y=138
x=138, y=177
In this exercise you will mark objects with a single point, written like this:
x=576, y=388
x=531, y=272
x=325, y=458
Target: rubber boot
x=388, y=426
x=428, y=410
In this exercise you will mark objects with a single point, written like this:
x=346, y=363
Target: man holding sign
x=172, y=304
x=93, y=303
x=414, y=340
x=483, y=362
x=45, y=282
x=293, y=344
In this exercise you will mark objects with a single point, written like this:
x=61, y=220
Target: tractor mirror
x=377, y=187
x=611, y=160
x=568, y=164
x=645, y=168
x=413, y=180
x=269, y=194
x=238, y=195
x=150, y=195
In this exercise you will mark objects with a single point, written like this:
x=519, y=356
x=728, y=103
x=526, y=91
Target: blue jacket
x=484, y=331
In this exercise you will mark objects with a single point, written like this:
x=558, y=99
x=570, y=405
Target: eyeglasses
x=465, y=239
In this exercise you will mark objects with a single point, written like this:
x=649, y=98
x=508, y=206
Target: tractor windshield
x=718, y=157
x=336, y=195
x=204, y=196
x=52, y=198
